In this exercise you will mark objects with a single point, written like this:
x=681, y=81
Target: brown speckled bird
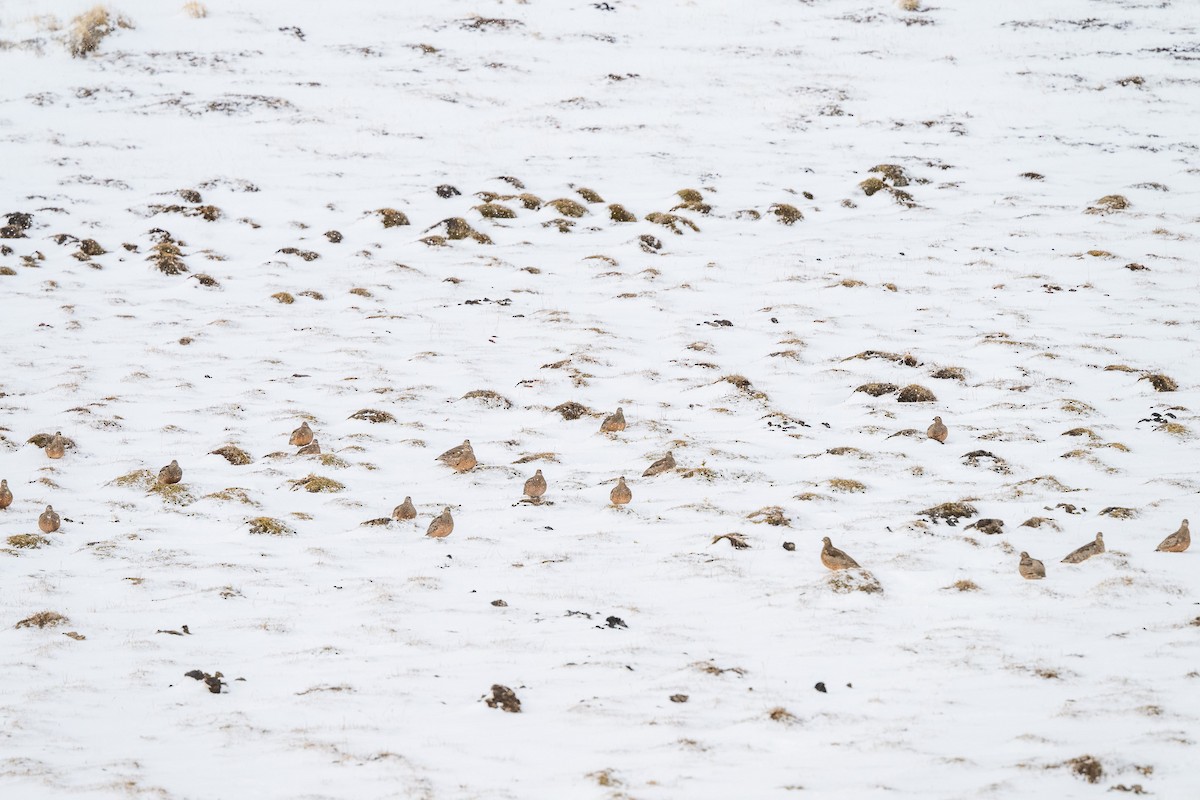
x=49, y=521
x=313, y=448
x=171, y=473
x=405, y=510
x=535, y=487
x=1177, y=542
x=613, y=422
x=6, y=497
x=664, y=464
x=620, y=495
x=57, y=446
x=937, y=431
x=442, y=525
x=1093, y=548
x=461, y=458
x=833, y=558
x=1031, y=569
x=301, y=436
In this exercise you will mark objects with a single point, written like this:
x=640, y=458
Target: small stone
x=679, y=698
x=499, y=604
x=789, y=546
x=820, y=687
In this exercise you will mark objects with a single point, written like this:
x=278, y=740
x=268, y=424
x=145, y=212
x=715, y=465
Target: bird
x=664, y=464
x=6, y=497
x=620, y=495
x=302, y=435
x=49, y=521
x=405, y=510
x=171, y=473
x=57, y=446
x=1177, y=542
x=835, y=559
x=461, y=458
x=313, y=448
x=1031, y=569
x=535, y=487
x=613, y=422
x=937, y=431
x=442, y=525
x=1090, y=549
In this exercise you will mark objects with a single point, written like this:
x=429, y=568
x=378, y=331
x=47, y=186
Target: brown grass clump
x=529, y=457
x=871, y=185
x=372, y=415
x=771, y=515
x=504, y=698
x=781, y=714
x=915, y=394
x=672, y=221
x=878, y=389
x=1160, y=382
x=845, y=581
x=90, y=28
x=495, y=211
x=333, y=461
x=1119, y=512
x=43, y=619
x=166, y=256
x=269, y=526
x=846, y=485
x=568, y=207
x=531, y=202
x=1108, y=204
x=891, y=172
x=233, y=454
x=1086, y=767
x=1119, y=368
x=488, y=398
x=195, y=10
x=907, y=359
x=589, y=195
x=618, y=213
x=964, y=585
x=650, y=244
x=950, y=513
x=283, y=297
x=571, y=410
x=690, y=196
x=137, y=479
x=43, y=439
x=232, y=495
x=307, y=255
x=391, y=217
x=742, y=383
x=787, y=214
x=949, y=373
x=737, y=540
x=172, y=494
x=28, y=541
x=317, y=484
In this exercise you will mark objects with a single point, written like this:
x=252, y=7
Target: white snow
x=356, y=658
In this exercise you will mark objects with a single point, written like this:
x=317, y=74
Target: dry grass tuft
x=530, y=457
x=1086, y=767
x=172, y=494
x=1160, y=382
x=737, y=540
x=372, y=415
x=871, y=185
x=495, y=211
x=949, y=373
x=846, y=485
x=167, y=257
x=317, y=484
x=391, y=217
x=233, y=454
x=878, y=389
x=571, y=410
x=787, y=214
x=90, y=28
x=742, y=383
x=618, y=213
x=195, y=10
x=964, y=585
x=28, y=541
x=284, y=298
x=915, y=394
x=845, y=581
x=137, y=479
x=589, y=196
x=671, y=221
x=269, y=526
x=568, y=207
x=43, y=619
x=1108, y=204
x=333, y=461
x=950, y=513
x=907, y=359
x=232, y=495
x=771, y=515
x=781, y=714
x=1119, y=512
x=488, y=398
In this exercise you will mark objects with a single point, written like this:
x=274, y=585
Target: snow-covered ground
x=355, y=658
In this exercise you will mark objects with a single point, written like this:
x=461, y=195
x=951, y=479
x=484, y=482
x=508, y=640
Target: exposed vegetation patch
x=137, y=479
x=372, y=415
x=495, y=211
x=307, y=255
x=233, y=454
x=571, y=410
x=283, y=297
x=568, y=207
x=269, y=526
x=589, y=196
x=915, y=394
x=736, y=540
x=949, y=373
x=1160, y=382
x=846, y=581
x=43, y=619
x=90, y=28
x=488, y=398
x=165, y=255
x=964, y=585
x=742, y=383
x=950, y=513
x=172, y=494
x=998, y=464
x=455, y=228
x=878, y=389
x=907, y=359
x=847, y=485
x=1108, y=204
x=27, y=541
x=771, y=515
x=391, y=218
x=1119, y=512
x=787, y=214
x=672, y=221
x=317, y=484
x=1087, y=767
x=232, y=495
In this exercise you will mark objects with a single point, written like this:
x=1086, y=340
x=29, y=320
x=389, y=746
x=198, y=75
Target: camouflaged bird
x=6, y=497
x=461, y=458
x=313, y=448
x=835, y=559
x=405, y=510
x=937, y=431
x=1177, y=542
x=1030, y=568
x=57, y=446
x=1093, y=548
x=171, y=473
x=442, y=525
x=301, y=436
x=620, y=495
x=49, y=521
x=535, y=487
x=613, y=422
x=664, y=464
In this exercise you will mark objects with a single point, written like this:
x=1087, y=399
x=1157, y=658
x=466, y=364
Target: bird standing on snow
x=57, y=446
x=442, y=525
x=405, y=510
x=535, y=487
x=301, y=436
x=1090, y=549
x=171, y=473
x=6, y=497
x=49, y=521
x=620, y=495
x=461, y=458
x=937, y=431
x=664, y=464
x=1031, y=569
x=613, y=422
x=1177, y=542
x=835, y=559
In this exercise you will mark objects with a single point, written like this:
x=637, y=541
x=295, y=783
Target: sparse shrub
x=1086, y=767
x=950, y=513
x=172, y=494
x=1108, y=204
x=781, y=714
x=317, y=484
x=137, y=479
x=787, y=214
x=949, y=373
x=89, y=29
x=166, y=255
x=1119, y=512
x=372, y=415
x=915, y=394
x=27, y=541
x=391, y=217
x=964, y=585
x=672, y=221
x=848, y=485
x=589, y=196
x=771, y=515
x=488, y=398
x=43, y=619
x=495, y=211
x=233, y=454
x=1160, y=382
x=871, y=185
x=269, y=526
x=618, y=213
x=568, y=207
x=690, y=196
x=891, y=172
x=571, y=410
